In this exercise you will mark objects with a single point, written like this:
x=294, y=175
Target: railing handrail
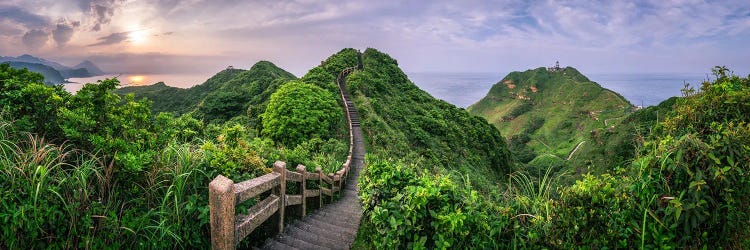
x=227, y=230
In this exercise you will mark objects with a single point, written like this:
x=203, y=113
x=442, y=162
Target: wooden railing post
x=303, y=187
x=319, y=171
x=333, y=185
x=280, y=167
x=221, y=202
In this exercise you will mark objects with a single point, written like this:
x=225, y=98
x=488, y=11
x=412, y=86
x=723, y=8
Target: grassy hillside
x=51, y=75
x=549, y=112
x=616, y=145
x=227, y=94
x=402, y=121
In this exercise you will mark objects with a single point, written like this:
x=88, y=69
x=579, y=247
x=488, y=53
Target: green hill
x=227, y=94
x=404, y=122
x=544, y=111
x=615, y=146
x=51, y=75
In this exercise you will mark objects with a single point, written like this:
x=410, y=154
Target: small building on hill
x=555, y=68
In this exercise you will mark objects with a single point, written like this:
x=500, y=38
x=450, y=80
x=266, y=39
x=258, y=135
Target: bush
x=298, y=112
x=409, y=210
x=233, y=156
x=693, y=175
x=597, y=212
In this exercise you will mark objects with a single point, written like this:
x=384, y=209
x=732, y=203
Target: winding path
x=334, y=226
x=574, y=150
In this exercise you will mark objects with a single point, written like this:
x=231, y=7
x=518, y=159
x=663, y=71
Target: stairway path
x=335, y=225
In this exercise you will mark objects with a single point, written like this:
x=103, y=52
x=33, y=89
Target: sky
x=205, y=36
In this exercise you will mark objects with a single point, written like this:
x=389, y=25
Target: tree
x=298, y=112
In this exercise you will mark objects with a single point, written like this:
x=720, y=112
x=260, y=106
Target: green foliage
x=99, y=121
x=403, y=122
x=124, y=178
x=607, y=148
x=298, y=112
x=692, y=174
x=50, y=203
x=554, y=110
x=233, y=156
x=325, y=74
x=50, y=75
x=228, y=94
x=518, y=110
x=31, y=104
x=597, y=212
x=423, y=212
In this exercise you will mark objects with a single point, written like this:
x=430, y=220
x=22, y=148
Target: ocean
x=174, y=80
x=464, y=89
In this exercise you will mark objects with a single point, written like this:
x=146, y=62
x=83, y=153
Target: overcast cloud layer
x=203, y=36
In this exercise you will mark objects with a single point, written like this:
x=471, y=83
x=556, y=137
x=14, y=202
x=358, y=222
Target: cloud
x=23, y=17
x=113, y=38
x=35, y=39
x=10, y=29
x=100, y=11
x=64, y=32
x=169, y=33
x=159, y=63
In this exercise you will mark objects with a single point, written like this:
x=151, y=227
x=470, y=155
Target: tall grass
x=534, y=193
x=41, y=196
x=56, y=197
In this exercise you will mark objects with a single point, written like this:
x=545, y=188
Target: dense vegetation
x=401, y=121
x=685, y=188
x=54, y=73
x=547, y=113
x=51, y=76
x=99, y=170
x=300, y=111
x=229, y=93
x=429, y=163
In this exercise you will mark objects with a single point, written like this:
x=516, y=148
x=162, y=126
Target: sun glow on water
x=136, y=80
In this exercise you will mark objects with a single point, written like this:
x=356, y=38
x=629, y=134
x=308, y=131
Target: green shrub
x=298, y=112
x=597, y=212
x=421, y=211
x=693, y=174
x=233, y=155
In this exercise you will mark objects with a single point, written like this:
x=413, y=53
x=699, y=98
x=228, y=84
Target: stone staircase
x=335, y=225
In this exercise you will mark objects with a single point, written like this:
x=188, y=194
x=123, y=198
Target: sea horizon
x=460, y=88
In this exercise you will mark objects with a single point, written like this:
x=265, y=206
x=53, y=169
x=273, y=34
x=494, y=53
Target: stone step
x=273, y=244
x=315, y=239
x=321, y=233
x=322, y=225
x=298, y=243
x=349, y=222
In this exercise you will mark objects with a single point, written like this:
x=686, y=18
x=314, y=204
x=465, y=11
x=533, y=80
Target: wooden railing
x=227, y=230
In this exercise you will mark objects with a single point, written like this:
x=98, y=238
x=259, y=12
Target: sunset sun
x=138, y=36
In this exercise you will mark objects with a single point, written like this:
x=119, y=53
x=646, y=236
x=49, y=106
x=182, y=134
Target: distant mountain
x=227, y=94
x=549, y=111
x=51, y=76
x=90, y=66
x=83, y=69
x=31, y=59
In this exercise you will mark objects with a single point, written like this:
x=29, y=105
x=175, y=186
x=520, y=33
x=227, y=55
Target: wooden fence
x=227, y=230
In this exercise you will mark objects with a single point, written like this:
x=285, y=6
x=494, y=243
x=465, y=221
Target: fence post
x=333, y=185
x=320, y=178
x=221, y=209
x=280, y=190
x=302, y=170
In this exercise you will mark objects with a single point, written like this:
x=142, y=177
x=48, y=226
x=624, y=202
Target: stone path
x=335, y=225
